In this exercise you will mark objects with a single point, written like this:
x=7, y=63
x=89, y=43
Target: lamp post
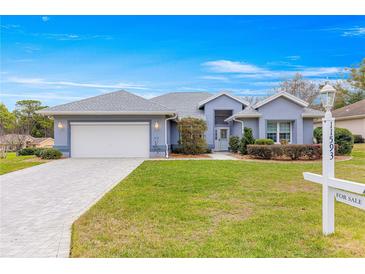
x=328, y=159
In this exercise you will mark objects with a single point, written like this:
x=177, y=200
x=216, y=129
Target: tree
x=300, y=87
x=31, y=123
x=247, y=139
x=7, y=120
x=357, y=77
x=192, y=135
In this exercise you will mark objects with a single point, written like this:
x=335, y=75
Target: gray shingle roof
x=185, y=103
x=354, y=109
x=118, y=101
x=312, y=113
x=248, y=112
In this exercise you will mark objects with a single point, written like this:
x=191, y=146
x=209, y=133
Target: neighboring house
x=121, y=124
x=12, y=142
x=351, y=117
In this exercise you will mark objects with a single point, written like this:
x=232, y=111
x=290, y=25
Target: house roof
x=281, y=94
x=186, y=104
x=211, y=98
x=312, y=113
x=246, y=113
x=16, y=138
x=118, y=102
x=351, y=111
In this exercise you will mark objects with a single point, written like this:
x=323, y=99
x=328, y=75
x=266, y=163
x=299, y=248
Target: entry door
x=221, y=141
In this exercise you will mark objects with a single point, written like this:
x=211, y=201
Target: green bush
x=192, y=132
x=264, y=142
x=343, y=138
x=234, y=143
x=51, y=153
x=26, y=151
x=246, y=140
x=292, y=152
x=38, y=151
x=358, y=139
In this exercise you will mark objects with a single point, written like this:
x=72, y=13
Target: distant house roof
x=21, y=138
x=212, y=97
x=118, y=102
x=355, y=110
x=281, y=94
x=186, y=104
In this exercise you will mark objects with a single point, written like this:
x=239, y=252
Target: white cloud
x=39, y=81
x=356, y=31
x=213, y=77
x=226, y=66
x=45, y=18
x=41, y=96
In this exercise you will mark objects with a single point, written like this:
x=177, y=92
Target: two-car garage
x=110, y=139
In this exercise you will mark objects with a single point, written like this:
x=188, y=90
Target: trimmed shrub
x=247, y=139
x=51, y=153
x=26, y=151
x=292, y=152
x=358, y=139
x=343, y=138
x=38, y=151
x=264, y=142
x=234, y=143
x=192, y=139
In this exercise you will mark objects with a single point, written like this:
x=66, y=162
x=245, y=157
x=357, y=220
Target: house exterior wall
x=62, y=136
x=282, y=109
x=308, y=131
x=356, y=126
x=221, y=102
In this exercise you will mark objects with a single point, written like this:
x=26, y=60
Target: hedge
x=51, y=153
x=343, y=138
x=26, y=151
x=358, y=139
x=292, y=152
x=264, y=142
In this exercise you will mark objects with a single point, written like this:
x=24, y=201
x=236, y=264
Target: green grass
x=220, y=209
x=13, y=162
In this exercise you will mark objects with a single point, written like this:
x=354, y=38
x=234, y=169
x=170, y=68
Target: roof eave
x=53, y=113
x=277, y=95
x=242, y=116
x=312, y=115
x=202, y=103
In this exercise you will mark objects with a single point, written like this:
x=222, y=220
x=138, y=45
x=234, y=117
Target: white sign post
x=333, y=188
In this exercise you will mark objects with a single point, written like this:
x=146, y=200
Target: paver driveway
x=39, y=204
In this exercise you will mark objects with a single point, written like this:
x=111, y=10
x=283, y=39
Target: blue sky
x=58, y=59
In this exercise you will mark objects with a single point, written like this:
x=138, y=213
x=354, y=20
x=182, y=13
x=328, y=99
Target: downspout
x=166, y=144
x=242, y=123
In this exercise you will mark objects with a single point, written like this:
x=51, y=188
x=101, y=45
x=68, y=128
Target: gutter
x=242, y=123
x=166, y=144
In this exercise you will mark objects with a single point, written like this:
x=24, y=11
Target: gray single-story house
x=122, y=124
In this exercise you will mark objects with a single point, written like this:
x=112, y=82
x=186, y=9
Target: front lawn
x=220, y=209
x=13, y=162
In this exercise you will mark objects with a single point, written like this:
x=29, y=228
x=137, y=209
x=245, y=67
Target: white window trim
x=278, y=131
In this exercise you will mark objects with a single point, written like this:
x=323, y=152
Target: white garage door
x=110, y=139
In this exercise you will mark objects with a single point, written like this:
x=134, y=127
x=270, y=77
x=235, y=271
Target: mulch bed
x=285, y=160
x=186, y=156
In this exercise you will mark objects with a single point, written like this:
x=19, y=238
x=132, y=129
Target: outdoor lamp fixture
x=328, y=97
x=60, y=125
x=156, y=125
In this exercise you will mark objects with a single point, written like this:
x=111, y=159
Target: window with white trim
x=279, y=131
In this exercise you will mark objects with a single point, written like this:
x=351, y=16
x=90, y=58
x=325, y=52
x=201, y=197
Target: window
x=272, y=131
x=221, y=115
x=278, y=131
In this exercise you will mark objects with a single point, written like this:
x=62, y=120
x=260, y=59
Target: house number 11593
x=332, y=143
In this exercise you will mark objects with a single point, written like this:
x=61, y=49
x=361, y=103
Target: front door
x=221, y=138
